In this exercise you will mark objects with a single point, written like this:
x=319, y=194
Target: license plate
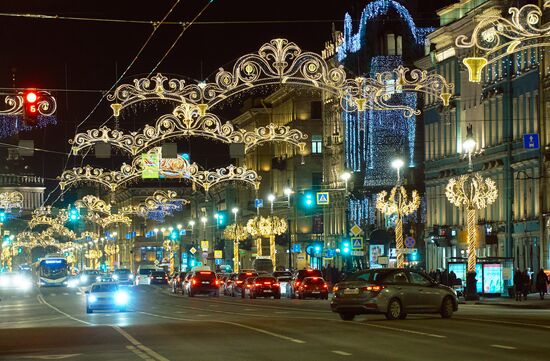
x=316, y=292
x=267, y=291
x=351, y=291
x=159, y=278
x=205, y=282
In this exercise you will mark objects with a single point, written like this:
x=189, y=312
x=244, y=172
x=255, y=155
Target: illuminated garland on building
x=156, y=206
x=11, y=200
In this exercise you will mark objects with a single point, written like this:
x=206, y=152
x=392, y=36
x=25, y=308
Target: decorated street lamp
x=266, y=227
x=271, y=199
x=472, y=192
x=398, y=203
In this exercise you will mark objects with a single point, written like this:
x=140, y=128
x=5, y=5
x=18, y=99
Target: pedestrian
x=445, y=277
x=518, y=284
x=452, y=278
x=526, y=284
x=438, y=276
x=542, y=283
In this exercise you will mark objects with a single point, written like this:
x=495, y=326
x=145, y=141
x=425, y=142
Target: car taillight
x=238, y=282
x=276, y=285
x=325, y=286
x=151, y=277
x=373, y=288
x=194, y=281
x=258, y=284
x=217, y=282
x=297, y=283
x=267, y=283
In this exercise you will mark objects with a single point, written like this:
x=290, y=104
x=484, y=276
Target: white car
x=106, y=296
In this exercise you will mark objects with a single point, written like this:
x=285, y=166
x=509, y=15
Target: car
x=203, y=282
x=284, y=278
x=177, y=282
x=228, y=284
x=158, y=277
x=313, y=287
x=105, y=277
x=143, y=273
x=123, y=276
x=394, y=292
x=106, y=296
x=16, y=281
x=238, y=282
x=263, y=286
x=299, y=277
x=88, y=277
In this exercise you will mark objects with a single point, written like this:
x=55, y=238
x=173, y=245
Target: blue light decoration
x=164, y=210
x=12, y=124
x=354, y=42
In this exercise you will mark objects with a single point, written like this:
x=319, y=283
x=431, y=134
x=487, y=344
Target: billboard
x=154, y=166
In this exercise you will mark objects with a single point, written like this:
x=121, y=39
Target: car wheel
x=292, y=294
x=233, y=293
x=89, y=310
x=301, y=296
x=394, y=309
x=277, y=297
x=347, y=316
x=252, y=295
x=447, y=307
x=242, y=294
x=403, y=316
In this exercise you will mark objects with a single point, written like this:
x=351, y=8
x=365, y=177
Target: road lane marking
x=504, y=347
x=249, y=309
x=65, y=293
x=139, y=345
x=341, y=353
x=503, y=322
x=32, y=320
x=138, y=353
x=63, y=313
x=397, y=329
x=259, y=330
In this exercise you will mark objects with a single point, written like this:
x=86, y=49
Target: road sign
x=183, y=232
x=323, y=198
x=409, y=242
x=357, y=253
x=204, y=245
x=356, y=230
x=409, y=250
x=531, y=141
x=383, y=260
x=193, y=250
x=259, y=203
x=356, y=243
x=218, y=253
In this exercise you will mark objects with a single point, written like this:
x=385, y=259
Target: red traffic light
x=31, y=97
x=30, y=107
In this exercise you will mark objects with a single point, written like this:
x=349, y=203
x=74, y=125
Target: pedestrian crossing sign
x=357, y=243
x=323, y=198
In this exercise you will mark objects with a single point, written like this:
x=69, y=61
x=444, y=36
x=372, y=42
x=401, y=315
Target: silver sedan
x=394, y=292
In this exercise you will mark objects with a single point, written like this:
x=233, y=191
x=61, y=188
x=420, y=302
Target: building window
x=316, y=144
x=392, y=44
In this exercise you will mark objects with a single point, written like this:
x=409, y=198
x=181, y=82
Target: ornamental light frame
x=270, y=227
x=496, y=37
x=11, y=200
x=47, y=104
x=235, y=232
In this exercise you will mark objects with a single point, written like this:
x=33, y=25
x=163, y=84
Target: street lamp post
x=346, y=176
x=179, y=226
x=288, y=192
x=271, y=199
x=235, y=210
x=471, y=191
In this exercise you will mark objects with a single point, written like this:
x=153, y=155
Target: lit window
x=316, y=144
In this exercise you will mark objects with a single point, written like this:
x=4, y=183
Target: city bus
x=52, y=270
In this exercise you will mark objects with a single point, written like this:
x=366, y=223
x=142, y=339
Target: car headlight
x=98, y=279
x=131, y=276
x=73, y=283
x=24, y=284
x=92, y=298
x=121, y=298
x=115, y=277
x=84, y=278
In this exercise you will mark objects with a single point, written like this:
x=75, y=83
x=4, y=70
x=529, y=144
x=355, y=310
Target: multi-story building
x=501, y=109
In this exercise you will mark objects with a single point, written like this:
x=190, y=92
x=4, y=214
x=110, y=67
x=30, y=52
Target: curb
x=508, y=305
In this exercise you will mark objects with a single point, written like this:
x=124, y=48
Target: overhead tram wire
x=155, y=28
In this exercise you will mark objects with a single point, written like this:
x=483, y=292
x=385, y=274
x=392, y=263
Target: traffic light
x=74, y=215
x=346, y=247
x=174, y=235
x=30, y=107
x=308, y=200
x=2, y=216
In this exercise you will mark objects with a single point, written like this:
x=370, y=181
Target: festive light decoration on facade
x=47, y=105
x=11, y=200
x=354, y=42
x=129, y=172
x=236, y=233
x=266, y=227
x=88, y=236
x=276, y=62
x=473, y=192
x=93, y=255
x=171, y=246
x=114, y=219
x=111, y=250
x=398, y=204
x=93, y=204
x=186, y=121
x=498, y=37
x=12, y=125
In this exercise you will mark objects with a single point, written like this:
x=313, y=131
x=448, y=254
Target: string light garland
x=93, y=204
x=11, y=200
x=399, y=204
x=186, y=120
x=161, y=201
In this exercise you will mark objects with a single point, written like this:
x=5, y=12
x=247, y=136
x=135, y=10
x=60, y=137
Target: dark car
x=263, y=286
x=88, y=277
x=394, y=292
x=203, y=282
x=313, y=287
x=158, y=277
x=123, y=276
x=238, y=282
x=299, y=277
x=177, y=282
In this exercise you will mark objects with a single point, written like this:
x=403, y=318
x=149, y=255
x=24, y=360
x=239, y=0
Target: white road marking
x=139, y=345
x=53, y=294
x=65, y=293
x=79, y=293
x=138, y=352
x=504, y=322
x=250, y=309
x=398, y=329
x=341, y=353
x=41, y=299
x=259, y=330
x=52, y=357
x=504, y=347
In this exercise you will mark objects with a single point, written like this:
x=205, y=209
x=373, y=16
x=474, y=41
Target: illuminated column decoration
x=111, y=251
x=266, y=227
x=236, y=233
x=497, y=37
x=171, y=246
x=473, y=192
x=398, y=203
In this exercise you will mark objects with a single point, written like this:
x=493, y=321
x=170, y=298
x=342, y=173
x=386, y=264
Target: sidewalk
x=533, y=302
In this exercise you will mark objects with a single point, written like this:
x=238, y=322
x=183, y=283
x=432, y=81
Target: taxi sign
x=193, y=250
x=323, y=198
x=356, y=230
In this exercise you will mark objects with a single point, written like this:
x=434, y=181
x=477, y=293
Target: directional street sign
x=193, y=250
x=218, y=254
x=357, y=243
x=409, y=250
x=323, y=198
x=356, y=230
x=409, y=242
x=531, y=141
x=259, y=203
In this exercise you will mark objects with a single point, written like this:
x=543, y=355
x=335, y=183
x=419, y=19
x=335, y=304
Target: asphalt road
x=51, y=323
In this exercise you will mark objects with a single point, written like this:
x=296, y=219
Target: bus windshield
x=53, y=268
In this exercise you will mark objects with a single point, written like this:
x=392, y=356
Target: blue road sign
x=296, y=248
x=322, y=198
x=409, y=242
x=531, y=141
x=259, y=203
x=357, y=243
x=183, y=232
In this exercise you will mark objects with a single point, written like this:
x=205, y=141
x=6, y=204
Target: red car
x=238, y=283
x=203, y=282
x=264, y=286
x=299, y=277
x=313, y=287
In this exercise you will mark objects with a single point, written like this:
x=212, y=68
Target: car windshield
x=158, y=274
x=145, y=271
x=368, y=276
x=91, y=273
x=309, y=273
x=314, y=281
x=122, y=271
x=244, y=276
x=282, y=274
x=266, y=279
x=205, y=274
x=104, y=288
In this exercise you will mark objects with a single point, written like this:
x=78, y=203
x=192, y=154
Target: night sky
x=82, y=59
